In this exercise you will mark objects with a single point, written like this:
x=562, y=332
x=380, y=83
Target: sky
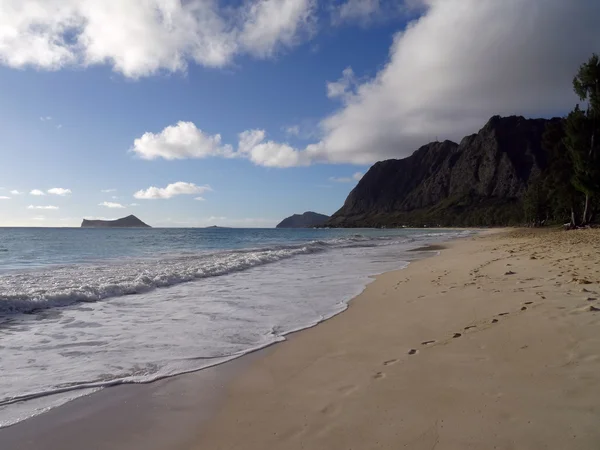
x=242, y=112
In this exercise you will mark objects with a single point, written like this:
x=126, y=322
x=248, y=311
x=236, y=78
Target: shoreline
x=97, y=406
x=314, y=389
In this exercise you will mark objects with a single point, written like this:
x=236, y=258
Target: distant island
x=124, y=222
x=307, y=220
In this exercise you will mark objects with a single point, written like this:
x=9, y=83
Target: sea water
x=85, y=309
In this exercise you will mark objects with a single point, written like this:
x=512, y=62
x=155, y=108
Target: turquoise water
x=84, y=309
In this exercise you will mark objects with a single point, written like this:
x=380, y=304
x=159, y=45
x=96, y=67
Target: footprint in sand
x=528, y=303
x=412, y=351
x=379, y=375
x=456, y=335
x=524, y=308
x=347, y=390
x=594, y=309
x=494, y=320
x=427, y=342
x=469, y=327
x=390, y=362
x=504, y=314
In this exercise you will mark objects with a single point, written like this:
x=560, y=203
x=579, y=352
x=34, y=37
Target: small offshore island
x=125, y=222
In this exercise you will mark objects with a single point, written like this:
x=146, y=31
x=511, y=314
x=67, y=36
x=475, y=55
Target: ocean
x=85, y=309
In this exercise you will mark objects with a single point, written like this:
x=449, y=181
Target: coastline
x=353, y=379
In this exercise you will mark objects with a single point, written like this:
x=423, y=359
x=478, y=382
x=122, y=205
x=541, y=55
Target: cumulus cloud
x=49, y=207
x=355, y=177
x=37, y=192
x=142, y=38
x=4, y=197
x=173, y=189
x=111, y=205
x=45, y=118
x=59, y=191
x=185, y=140
x=108, y=190
x=15, y=192
x=343, y=87
x=180, y=141
x=254, y=146
x=459, y=63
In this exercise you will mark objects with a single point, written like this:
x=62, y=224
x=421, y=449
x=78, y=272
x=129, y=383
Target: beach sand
x=493, y=344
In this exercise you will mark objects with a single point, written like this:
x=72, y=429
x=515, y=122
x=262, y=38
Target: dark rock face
x=477, y=182
x=307, y=220
x=125, y=222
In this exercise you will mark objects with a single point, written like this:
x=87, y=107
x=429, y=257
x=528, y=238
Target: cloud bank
x=140, y=38
x=458, y=64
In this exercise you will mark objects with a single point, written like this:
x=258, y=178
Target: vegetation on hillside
x=568, y=190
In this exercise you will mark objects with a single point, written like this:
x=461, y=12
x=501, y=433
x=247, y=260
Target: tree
x=562, y=197
x=583, y=135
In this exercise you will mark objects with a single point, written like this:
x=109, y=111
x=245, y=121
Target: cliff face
x=125, y=222
x=307, y=220
x=478, y=182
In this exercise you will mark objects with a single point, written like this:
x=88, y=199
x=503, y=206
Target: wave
x=32, y=291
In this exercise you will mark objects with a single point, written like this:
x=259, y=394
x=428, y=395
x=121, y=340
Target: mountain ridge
x=308, y=219
x=478, y=182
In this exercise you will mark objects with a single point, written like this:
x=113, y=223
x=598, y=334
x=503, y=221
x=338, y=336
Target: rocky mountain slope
x=124, y=222
x=479, y=182
x=307, y=220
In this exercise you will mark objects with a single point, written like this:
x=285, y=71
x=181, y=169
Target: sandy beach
x=492, y=344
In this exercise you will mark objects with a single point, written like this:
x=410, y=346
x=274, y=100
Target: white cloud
x=37, y=192
x=108, y=190
x=355, y=177
x=4, y=197
x=252, y=145
x=344, y=87
x=439, y=81
x=59, y=126
x=180, y=141
x=49, y=207
x=39, y=218
x=275, y=21
x=111, y=205
x=185, y=140
x=15, y=192
x=134, y=204
x=141, y=38
x=201, y=199
x=59, y=191
x=173, y=189
x=45, y=118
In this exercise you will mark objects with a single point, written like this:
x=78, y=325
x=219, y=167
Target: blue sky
x=108, y=109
